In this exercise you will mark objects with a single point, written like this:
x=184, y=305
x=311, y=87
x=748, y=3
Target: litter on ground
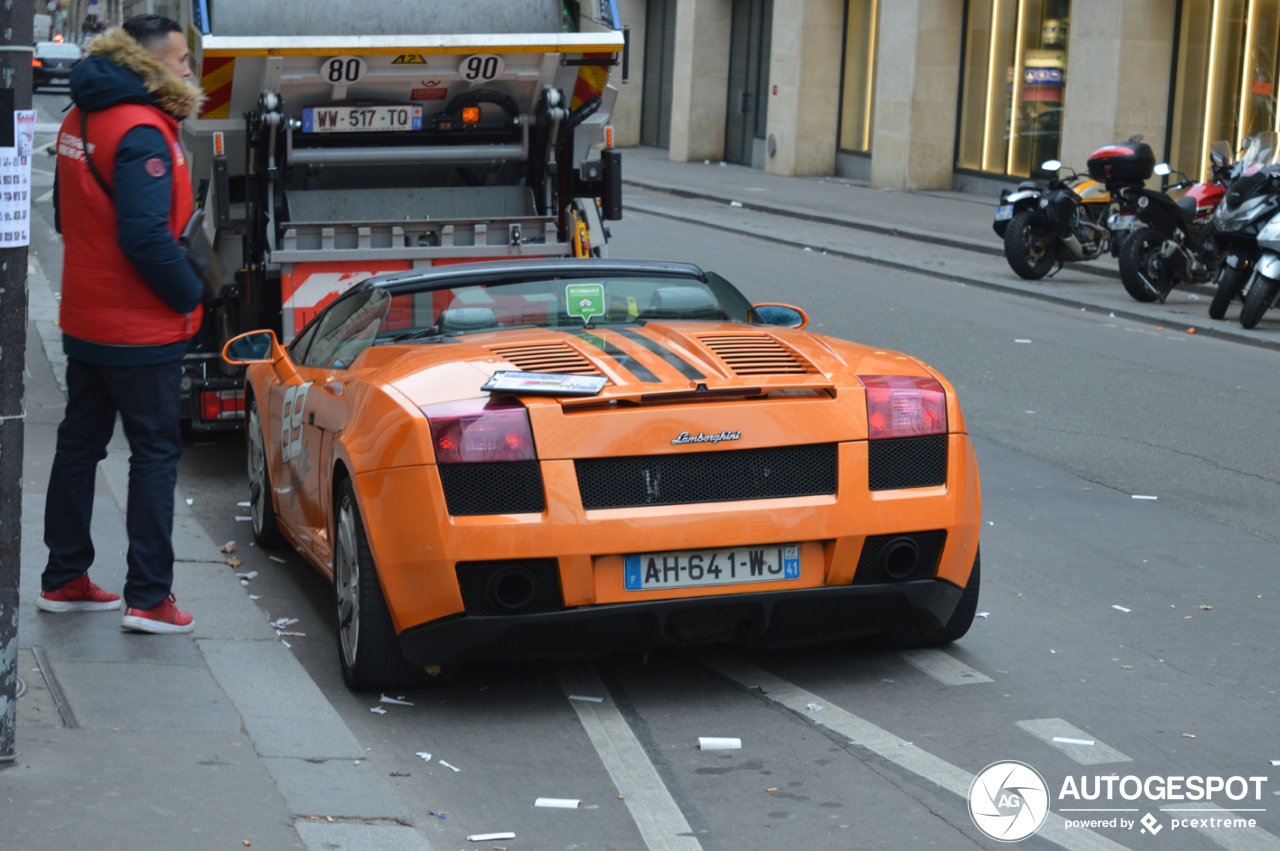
x=586, y=698
x=712, y=743
x=485, y=837
x=1022, y=341
x=1121, y=608
x=558, y=803
x=277, y=558
x=1141, y=496
x=455, y=769
x=190, y=501
x=735, y=203
x=1063, y=740
x=242, y=505
x=253, y=574
x=983, y=615
x=385, y=699
x=379, y=710
x=1188, y=735
x=285, y=643
x=426, y=756
x=228, y=547
x=243, y=518
x=254, y=597
x=813, y=707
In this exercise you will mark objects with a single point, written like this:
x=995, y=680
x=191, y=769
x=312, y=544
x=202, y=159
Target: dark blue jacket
x=142, y=212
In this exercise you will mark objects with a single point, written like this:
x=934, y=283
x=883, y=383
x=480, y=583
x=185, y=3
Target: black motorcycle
x=1251, y=203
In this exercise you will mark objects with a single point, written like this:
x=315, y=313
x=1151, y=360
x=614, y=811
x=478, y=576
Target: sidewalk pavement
x=943, y=234
x=212, y=740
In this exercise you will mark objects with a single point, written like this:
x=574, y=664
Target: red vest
x=104, y=299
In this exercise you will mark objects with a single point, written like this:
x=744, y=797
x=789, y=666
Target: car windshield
x=53, y=50
x=557, y=303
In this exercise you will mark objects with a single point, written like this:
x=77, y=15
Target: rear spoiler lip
x=755, y=386
x=375, y=45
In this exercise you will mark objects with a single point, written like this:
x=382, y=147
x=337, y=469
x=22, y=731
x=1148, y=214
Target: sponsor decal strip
x=863, y=733
x=657, y=816
x=626, y=361
x=687, y=369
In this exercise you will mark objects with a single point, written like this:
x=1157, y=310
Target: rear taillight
x=36, y=63
x=904, y=406
x=472, y=430
x=221, y=405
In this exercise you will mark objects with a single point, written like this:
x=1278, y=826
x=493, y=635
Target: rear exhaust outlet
x=512, y=589
x=899, y=558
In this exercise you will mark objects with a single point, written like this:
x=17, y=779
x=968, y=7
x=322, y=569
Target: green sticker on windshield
x=584, y=300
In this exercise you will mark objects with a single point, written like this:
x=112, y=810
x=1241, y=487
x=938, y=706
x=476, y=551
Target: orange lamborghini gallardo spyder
x=559, y=458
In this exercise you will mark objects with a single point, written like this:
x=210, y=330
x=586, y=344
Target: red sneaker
x=163, y=618
x=78, y=595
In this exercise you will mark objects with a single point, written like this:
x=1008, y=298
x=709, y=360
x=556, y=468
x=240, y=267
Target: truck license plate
x=697, y=568
x=360, y=119
x=1004, y=212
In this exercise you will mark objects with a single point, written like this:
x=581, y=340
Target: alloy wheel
x=346, y=583
x=257, y=471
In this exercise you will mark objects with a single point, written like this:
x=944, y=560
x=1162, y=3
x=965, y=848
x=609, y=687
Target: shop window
x=1225, y=87
x=1014, y=78
x=858, y=85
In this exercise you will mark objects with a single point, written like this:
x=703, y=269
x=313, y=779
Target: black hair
x=149, y=29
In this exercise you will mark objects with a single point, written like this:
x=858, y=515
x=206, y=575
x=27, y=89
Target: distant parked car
x=52, y=63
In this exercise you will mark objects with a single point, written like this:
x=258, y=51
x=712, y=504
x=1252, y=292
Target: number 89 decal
x=295, y=399
x=481, y=67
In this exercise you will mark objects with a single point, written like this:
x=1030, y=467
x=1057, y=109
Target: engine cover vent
x=755, y=354
x=546, y=357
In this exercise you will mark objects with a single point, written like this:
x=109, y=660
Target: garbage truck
x=344, y=139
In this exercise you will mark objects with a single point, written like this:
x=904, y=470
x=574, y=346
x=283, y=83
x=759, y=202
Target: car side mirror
x=253, y=347
x=780, y=315
x=1162, y=169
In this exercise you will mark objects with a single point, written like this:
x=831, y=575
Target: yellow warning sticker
x=409, y=59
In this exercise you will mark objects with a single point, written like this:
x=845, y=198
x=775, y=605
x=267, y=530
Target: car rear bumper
x=768, y=619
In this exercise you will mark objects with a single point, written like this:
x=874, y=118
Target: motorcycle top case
x=1127, y=162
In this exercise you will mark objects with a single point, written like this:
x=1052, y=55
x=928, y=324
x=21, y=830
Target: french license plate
x=1004, y=212
x=360, y=119
x=1119, y=222
x=697, y=568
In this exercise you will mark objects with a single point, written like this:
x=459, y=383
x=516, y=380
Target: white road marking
x=1046, y=729
x=654, y=811
x=944, y=667
x=865, y=734
x=1234, y=838
x=45, y=197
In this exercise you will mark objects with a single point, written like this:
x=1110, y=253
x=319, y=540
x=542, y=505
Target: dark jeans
x=148, y=399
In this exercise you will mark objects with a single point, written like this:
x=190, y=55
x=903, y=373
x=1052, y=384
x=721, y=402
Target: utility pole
x=17, y=18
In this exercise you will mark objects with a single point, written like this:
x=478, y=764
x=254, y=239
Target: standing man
x=130, y=306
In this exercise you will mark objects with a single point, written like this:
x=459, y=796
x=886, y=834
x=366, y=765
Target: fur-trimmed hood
x=119, y=70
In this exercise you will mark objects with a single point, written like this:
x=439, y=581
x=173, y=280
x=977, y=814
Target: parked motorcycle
x=1068, y=219
x=1250, y=205
x=1172, y=246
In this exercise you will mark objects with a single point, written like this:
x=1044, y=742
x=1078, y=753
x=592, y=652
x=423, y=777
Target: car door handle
x=311, y=418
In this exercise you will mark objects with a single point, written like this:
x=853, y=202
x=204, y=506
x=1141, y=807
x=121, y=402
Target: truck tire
x=1230, y=282
x=266, y=528
x=954, y=629
x=1133, y=254
x=1258, y=301
x=368, y=648
x=1030, y=249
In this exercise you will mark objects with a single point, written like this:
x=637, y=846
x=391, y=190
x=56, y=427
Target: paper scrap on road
x=586, y=698
x=983, y=615
x=1142, y=496
x=437, y=815
x=254, y=597
x=735, y=203
x=1022, y=341
x=455, y=769
x=228, y=547
x=485, y=837
x=386, y=699
x=190, y=501
x=281, y=623
x=243, y=518
x=712, y=743
x=1066, y=741
x=379, y=710
x=277, y=559
x=1121, y=608
x=1275, y=762
x=1206, y=608
x=253, y=574
x=242, y=505
x=426, y=756
x=234, y=562
x=813, y=707
x=285, y=643
x=559, y=803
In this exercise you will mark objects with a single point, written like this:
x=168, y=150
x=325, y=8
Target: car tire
x=266, y=527
x=1258, y=301
x=1021, y=240
x=1132, y=255
x=1229, y=285
x=955, y=627
x=368, y=648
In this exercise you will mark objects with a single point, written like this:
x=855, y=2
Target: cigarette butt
x=772, y=789
x=1188, y=736
x=245, y=841
x=328, y=818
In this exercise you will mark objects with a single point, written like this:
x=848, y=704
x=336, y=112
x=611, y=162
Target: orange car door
x=293, y=403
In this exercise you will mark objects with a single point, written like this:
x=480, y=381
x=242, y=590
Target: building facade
x=941, y=94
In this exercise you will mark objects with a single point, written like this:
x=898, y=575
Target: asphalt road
x=1068, y=427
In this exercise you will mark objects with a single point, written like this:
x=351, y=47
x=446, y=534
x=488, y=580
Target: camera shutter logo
x=1008, y=801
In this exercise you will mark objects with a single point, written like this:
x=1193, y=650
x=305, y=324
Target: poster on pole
x=15, y=182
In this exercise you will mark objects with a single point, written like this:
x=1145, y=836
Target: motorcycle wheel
x=1261, y=295
x=1030, y=250
x=1133, y=258
x=1230, y=282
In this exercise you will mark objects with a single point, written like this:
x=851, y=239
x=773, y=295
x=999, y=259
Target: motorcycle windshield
x=1259, y=151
